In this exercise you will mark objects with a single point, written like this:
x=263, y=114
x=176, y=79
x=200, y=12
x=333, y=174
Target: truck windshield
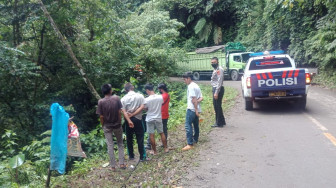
x=246, y=57
x=267, y=63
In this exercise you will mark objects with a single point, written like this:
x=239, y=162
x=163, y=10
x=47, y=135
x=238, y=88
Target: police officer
x=218, y=92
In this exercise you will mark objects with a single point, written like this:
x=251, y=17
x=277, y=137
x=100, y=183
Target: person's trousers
x=110, y=144
x=165, y=127
x=220, y=119
x=139, y=132
x=165, y=131
x=191, y=122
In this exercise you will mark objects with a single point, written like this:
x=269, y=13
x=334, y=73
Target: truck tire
x=248, y=105
x=302, y=103
x=196, y=76
x=234, y=75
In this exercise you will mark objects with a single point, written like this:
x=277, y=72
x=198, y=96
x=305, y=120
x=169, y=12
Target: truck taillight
x=308, y=78
x=269, y=57
x=248, y=82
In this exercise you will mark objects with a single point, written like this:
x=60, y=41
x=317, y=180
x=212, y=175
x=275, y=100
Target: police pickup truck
x=272, y=76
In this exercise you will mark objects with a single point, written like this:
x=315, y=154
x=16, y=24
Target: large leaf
x=331, y=46
x=190, y=18
x=200, y=25
x=205, y=32
x=46, y=140
x=217, y=35
x=209, y=6
x=48, y=132
x=17, y=161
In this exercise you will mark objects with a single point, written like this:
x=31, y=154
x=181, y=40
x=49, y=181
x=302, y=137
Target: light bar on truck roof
x=266, y=53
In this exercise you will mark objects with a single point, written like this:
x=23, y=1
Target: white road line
x=318, y=124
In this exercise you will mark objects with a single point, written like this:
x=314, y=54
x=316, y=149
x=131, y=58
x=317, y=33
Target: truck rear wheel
x=234, y=75
x=302, y=103
x=248, y=105
x=196, y=75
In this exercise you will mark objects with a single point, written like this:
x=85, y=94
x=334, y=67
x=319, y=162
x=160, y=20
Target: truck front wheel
x=196, y=75
x=234, y=75
x=248, y=105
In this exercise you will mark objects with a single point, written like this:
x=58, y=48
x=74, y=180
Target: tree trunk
x=40, y=53
x=15, y=24
x=72, y=55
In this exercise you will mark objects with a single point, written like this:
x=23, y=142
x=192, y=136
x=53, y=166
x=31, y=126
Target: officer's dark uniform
x=217, y=87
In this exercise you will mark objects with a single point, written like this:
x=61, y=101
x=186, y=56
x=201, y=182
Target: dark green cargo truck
x=232, y=57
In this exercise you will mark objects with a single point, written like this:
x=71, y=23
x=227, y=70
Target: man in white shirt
x=194, y=97
x=134, y=103
x=153, y=104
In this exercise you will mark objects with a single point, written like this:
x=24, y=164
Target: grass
x=163, y=169
x=325, y=79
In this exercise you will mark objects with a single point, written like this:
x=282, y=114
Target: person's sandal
x=145, y=159
x=123, y=166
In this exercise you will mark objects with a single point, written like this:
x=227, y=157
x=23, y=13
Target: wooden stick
x=48, y=179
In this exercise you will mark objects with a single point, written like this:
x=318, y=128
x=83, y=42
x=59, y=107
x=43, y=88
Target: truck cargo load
x=232, y=57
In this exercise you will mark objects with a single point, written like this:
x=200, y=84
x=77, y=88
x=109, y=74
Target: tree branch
x=68, y=47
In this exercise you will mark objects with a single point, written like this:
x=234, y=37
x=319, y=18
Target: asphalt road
x=275, y=145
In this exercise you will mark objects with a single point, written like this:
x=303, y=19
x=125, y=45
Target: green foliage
x=205, y=32
x=19, y=94
x=8, y=149
x=210, y=19
x=200, y=25
x=191, y=44
x=321, y=45
x=94, y=141
x=303, y=28
x=106, y=36
x=326, y=78
x=16, y=161
x=30, y=165
x=153, y=34
x=8, y=144
x=39, y=150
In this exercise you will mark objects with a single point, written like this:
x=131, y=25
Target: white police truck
x=272, y=75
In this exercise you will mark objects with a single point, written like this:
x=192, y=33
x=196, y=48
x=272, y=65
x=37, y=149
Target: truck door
x=226, y=65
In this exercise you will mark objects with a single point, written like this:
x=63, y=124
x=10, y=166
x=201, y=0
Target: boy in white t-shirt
x=153, y=104
x=194, y=97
